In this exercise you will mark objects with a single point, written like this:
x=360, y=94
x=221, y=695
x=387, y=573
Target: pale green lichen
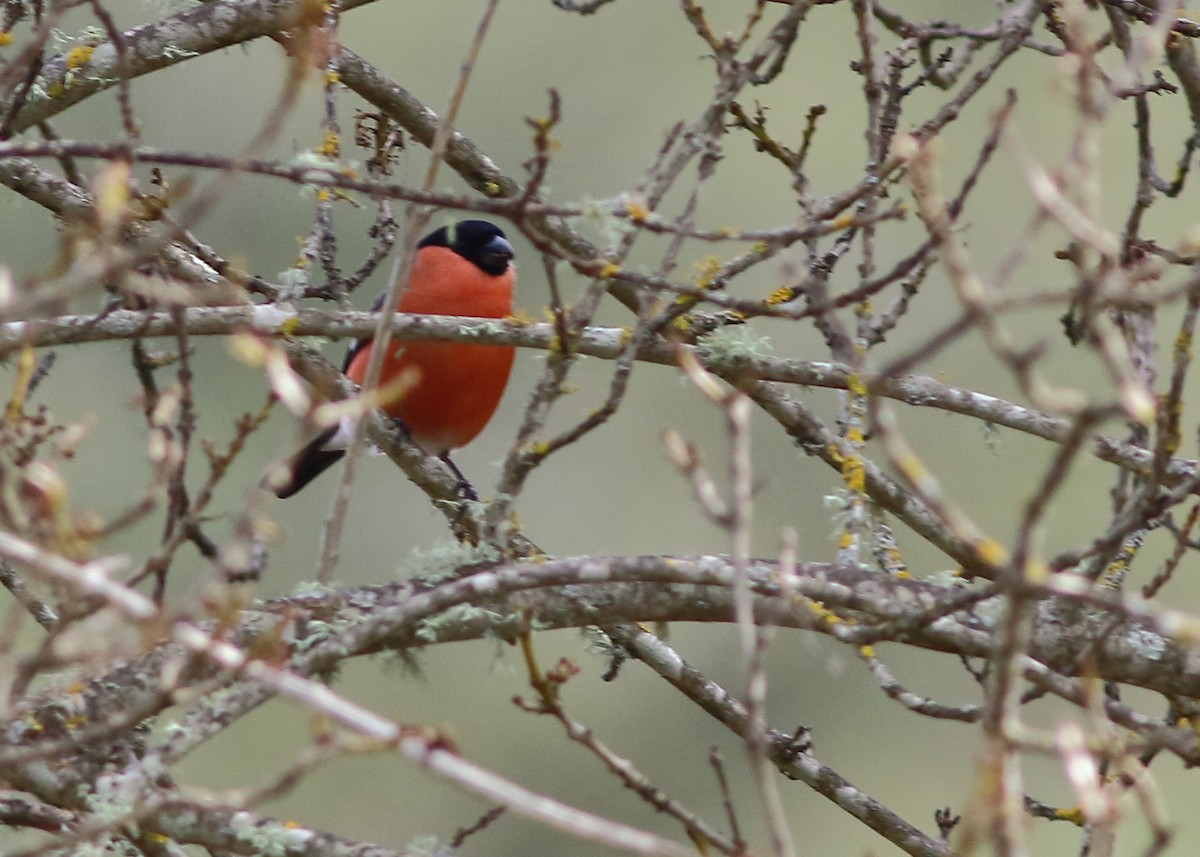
x=1146, y=644
x=313, y=587
x=403, y=660
x=115, y=796
x=267, y=838
x=991, y=436
x=430, y=630
x=837, y=501
x=731, y=344
x=948, y=578
x=444, y=560
x=601, y=215
x=470, y=508
x=488, y=328
x=313, y=160
x=316, y=632
x=428, y=845
x=293, y=281
x=599, y=644
x=841, y=505
x=173, y=52
x=172, y=730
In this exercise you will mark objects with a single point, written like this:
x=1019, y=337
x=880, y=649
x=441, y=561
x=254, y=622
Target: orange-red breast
x=466, y=270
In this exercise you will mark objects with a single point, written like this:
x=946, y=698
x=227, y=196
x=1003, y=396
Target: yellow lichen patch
x=331, y=145
x=79, y=56
x=1072, y=814
x=76, y=687
x=5, y=39
x=636, y=210
x=893, y=561
x=706, y=269
x=55, y=90
x=854, y=474
x=607, y=270
x=781, y=295
x=758, y=247
x=288, y=328
x=291, y=824
x=491, y=188
x=867, y=651
x=75, y=721
x=824, y=615
x=843, y=222
x=855, y=385
x=332, y=78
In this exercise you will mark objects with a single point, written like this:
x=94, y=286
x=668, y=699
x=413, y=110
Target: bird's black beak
x=496, y=255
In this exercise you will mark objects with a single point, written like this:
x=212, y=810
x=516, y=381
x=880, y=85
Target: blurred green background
x=626, y=75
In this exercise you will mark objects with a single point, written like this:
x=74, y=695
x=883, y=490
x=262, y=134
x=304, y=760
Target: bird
x=464, y=269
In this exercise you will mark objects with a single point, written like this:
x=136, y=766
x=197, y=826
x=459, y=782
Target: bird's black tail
x=305, y=466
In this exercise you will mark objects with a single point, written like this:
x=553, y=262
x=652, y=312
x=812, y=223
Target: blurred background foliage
x=625, y=76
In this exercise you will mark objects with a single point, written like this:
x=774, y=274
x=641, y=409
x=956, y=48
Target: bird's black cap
x=477, y=241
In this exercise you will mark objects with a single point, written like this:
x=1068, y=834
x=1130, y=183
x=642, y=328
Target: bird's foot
x=464, y=488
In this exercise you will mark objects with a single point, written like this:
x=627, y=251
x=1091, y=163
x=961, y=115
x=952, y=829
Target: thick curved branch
x=604, y=343
x=589, y=590
x=203, y=29
x=323, y=629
